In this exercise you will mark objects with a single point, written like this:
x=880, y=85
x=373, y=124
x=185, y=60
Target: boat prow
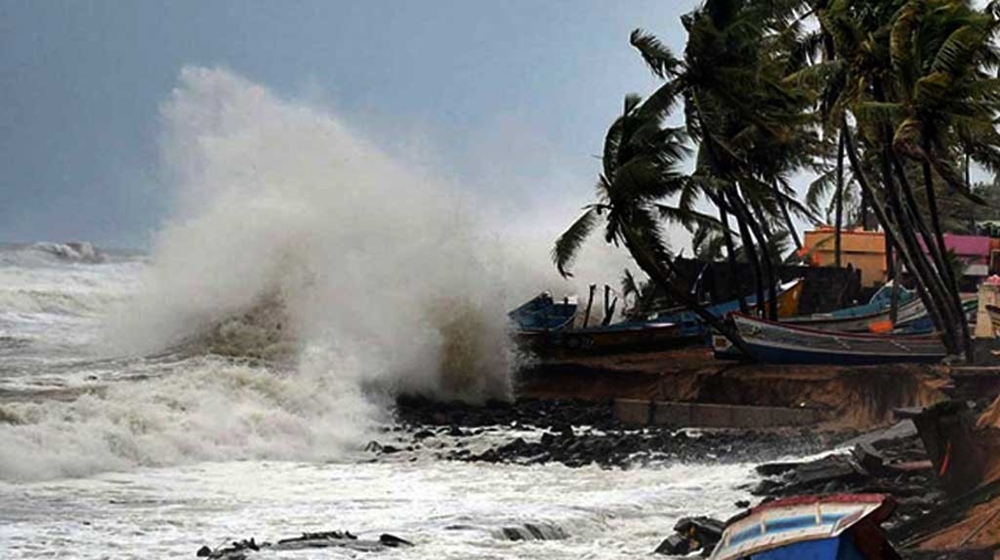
x=835, y=527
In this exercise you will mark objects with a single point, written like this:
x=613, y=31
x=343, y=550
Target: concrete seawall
x=637, y=412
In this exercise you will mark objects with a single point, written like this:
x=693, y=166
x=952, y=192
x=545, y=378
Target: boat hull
x=817, y=527
x=909, y=311
x=541, y=313
x=777, y=343
x=624, y=337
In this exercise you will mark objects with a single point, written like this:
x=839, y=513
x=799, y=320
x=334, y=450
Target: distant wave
x=47, y=253
x=73, y=251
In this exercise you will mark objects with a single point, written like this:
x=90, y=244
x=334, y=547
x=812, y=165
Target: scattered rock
x=674, y=545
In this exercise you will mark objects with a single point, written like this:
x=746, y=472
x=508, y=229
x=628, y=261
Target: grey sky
x=503, y=92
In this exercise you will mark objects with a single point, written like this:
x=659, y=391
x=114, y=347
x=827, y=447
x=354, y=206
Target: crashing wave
x=263, y=332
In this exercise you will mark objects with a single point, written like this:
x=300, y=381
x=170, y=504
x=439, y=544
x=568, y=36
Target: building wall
x=864, y=250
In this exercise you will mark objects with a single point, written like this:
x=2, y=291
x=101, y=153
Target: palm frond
x=568, y=245
x=658, y=57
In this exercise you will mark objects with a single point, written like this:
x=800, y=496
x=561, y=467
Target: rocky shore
x=578, y=433
x=892, y=461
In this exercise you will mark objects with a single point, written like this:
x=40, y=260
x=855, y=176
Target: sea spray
x=281, y=198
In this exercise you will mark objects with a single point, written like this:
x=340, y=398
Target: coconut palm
x=748, y=124
x=640, y=170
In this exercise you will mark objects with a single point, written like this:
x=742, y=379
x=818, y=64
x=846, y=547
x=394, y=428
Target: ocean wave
x=48, y=253
x=211, y=410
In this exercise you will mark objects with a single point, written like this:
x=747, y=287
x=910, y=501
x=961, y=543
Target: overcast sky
x=508, y=97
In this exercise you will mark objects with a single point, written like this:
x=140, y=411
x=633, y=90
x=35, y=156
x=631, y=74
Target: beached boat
x=778, y=343
x=835, y=527
x=863, y=318
x=921, y=322
x=541, y=313
x=692, y=326
x=620, y=337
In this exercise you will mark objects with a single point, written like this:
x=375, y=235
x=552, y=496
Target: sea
x=223, y=382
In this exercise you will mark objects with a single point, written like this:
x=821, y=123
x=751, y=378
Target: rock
x=674, y=545
x=423, y=434
x=392, y=541
x=204, y=552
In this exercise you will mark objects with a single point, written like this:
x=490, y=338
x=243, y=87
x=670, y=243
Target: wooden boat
x=692, y=326
x=921, y=323
x=862, y=318
x=835, y=527
x=541, y=313
x=777, y=343
x=620, y=337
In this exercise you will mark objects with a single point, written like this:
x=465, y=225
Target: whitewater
x=223, y=384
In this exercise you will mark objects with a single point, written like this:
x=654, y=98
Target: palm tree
x=746, y=121
x=865, y=43
x=640, y=169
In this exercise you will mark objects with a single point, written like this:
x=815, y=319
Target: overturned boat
x=835, y=527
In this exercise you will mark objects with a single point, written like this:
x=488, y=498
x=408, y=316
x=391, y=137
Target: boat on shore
x=692, y=326
x=865, y=317
x=778, y=343
x=620, y=337
x=542, y=313
x=834, y=527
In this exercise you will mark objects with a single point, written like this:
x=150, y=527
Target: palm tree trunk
x=892, y=231
x=750, y=250
x=949, y=274
x=912, y=223
x=909, y=220
x=761, y=231
x=789, y=225
x=727, y=235
x=839, y=204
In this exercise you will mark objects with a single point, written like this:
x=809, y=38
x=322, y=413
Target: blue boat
x=545, y=326
x=835, y=527
x=780, y=343
x=923, y=324
x=620, y=337
x=542, y=313
x=861, y=318
x=692, y=326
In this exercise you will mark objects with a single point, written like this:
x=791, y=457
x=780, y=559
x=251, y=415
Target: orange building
x=864, y=250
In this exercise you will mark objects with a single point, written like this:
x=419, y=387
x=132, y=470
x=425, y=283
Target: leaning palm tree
x=640, y=170
x=749, y=125
x=944, y=64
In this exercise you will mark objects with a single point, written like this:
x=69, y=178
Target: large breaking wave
x=293, y=238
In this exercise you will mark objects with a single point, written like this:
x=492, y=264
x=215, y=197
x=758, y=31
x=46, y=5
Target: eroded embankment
x=846, y=397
